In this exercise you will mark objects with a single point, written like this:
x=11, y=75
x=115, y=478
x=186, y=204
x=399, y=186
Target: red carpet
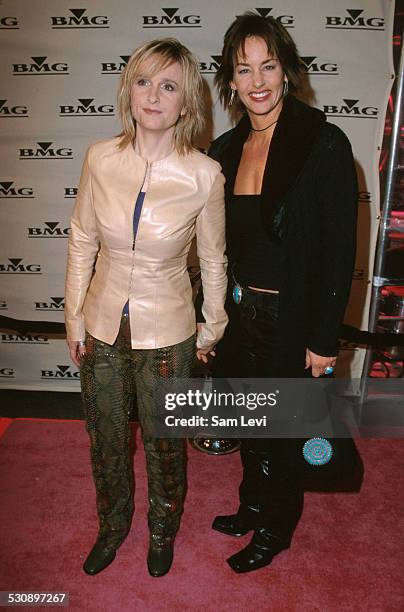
x=347, y=555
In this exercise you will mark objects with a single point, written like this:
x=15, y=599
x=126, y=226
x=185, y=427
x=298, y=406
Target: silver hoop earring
x=233, y=93
x=285, y=88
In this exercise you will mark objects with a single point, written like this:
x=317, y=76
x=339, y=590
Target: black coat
x=309, y=203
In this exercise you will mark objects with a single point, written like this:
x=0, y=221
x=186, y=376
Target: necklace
x=265, y=128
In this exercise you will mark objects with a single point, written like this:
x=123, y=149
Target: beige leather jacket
x=184, y=196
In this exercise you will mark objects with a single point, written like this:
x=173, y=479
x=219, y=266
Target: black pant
x=271, y=492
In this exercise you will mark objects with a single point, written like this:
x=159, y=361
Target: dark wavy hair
x=278, y=41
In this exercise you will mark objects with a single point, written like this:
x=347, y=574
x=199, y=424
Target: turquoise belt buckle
x=237, y=294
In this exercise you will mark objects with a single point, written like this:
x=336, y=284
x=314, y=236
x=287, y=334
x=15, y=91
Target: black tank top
x=254, y=254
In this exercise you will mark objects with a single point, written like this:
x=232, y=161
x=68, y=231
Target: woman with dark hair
x=130, y=318
x=290, y=195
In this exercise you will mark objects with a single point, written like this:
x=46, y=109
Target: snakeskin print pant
x=110, y=375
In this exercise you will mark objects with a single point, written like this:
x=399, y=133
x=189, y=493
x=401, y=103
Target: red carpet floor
x=347, y=555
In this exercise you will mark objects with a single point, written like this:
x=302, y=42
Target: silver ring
x=81, y=343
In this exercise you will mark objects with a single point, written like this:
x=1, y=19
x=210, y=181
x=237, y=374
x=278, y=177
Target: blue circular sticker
x=317, y=451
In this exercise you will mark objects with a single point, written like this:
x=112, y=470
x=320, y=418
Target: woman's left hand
x=318, y=364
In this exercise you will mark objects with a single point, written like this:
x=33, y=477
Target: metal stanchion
x=379, y=280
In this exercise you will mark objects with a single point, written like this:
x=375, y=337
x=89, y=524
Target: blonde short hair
x=164, y=52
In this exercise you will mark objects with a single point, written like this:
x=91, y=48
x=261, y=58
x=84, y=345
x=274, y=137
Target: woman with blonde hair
x=130, y=319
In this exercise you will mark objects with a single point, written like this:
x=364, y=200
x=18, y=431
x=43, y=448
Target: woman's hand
x=318, y=363
x=77, y=351
x=203, y=354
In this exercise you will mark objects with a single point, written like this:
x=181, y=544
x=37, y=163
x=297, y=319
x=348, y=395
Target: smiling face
x=157, y=98
x=258, y=78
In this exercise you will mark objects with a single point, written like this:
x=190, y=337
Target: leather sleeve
x=211, y=247
x=82, y=252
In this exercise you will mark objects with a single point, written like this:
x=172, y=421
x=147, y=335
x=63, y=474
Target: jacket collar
x=295, y=134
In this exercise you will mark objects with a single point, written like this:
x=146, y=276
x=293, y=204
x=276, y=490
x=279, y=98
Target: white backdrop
x=59, y=74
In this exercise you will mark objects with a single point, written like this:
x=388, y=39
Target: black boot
x=99, y=558
x=258, y=553
x=160, y=557
x=238, y=524
x=232, y=524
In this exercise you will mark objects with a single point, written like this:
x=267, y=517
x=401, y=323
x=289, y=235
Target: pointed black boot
x=258, y=553
x=238, y=524
x=99, y=558
x=232, y=524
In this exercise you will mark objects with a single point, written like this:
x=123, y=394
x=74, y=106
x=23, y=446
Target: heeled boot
x=166, y=480
x=160, y=555
x=237, y=524
x=258, y=553
x=99, y=558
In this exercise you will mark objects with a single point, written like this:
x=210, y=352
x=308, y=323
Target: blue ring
x=329, y=370
x=317, y=451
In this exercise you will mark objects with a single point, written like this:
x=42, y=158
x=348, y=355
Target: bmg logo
x=351, y=109
x=169, y=19
x=314, y=66
x=211, y=66
x=9, y=23
x=354, y=21
x=55, y=304
x=78, y=20
x=62, y=372
x=286, y=20
x=115, y=67
x=12, y=111
x=86, y=109
x=365, y=196
x=50, y=229
x=46, y=151
x=9, y=192
x=40, y=67
x=7, y=373
x=17, y=266
x=21, y=339
x=70, y=193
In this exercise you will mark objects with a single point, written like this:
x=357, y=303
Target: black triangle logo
x=52, y=224
x=170, y=11
x=7, y=185
x=85, y=101
x=264, y=12
x=57, y=300
x=63, y=368
x=39, y=60
x=217, y=58
x=78, y=12
x=354, y=12
x=15, y=262
x=308, y=60
x=125, y=58
x=350, y=103
x=44, y=145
